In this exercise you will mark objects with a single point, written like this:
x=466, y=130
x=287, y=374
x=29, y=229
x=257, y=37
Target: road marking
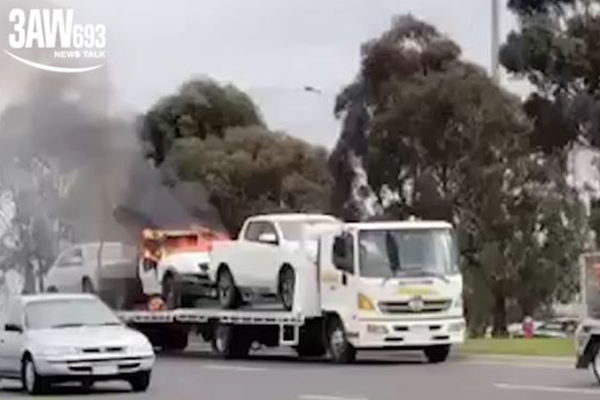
x=233, y=368
x=516, y=365
x=548, y=389
x=322, y=397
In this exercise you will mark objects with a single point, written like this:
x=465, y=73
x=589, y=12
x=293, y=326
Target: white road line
x=322, y=397
x=547, y=389
x=517, y=365
x=233, y=368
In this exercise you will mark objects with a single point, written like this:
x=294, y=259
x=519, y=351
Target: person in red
x=528, y=328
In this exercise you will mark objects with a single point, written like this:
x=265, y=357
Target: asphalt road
x=377, y=376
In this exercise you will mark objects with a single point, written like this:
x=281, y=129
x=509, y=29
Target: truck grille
x=403, y=307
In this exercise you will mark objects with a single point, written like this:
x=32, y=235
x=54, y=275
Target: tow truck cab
x=394, y=285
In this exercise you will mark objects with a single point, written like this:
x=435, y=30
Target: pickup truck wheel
x=341, y=351
x=287, y=285
x=229, y=295
x=437, y=354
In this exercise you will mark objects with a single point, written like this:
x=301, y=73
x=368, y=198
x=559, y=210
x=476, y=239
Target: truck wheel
x=229, y=295
x=230, y=342
x=437, y=354
x=341, y=351
x=595, y=360
x=287, y=285
x=87, y=286
x=169, y=292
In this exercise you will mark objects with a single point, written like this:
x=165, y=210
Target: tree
x=441, y=140
x=558, y=50
x=201, y=108
x=253, y=170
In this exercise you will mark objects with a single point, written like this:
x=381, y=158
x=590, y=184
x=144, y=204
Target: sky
x=270, y=48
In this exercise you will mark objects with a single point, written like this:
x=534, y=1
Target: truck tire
x=312, y=340
x=340, y=350
x=437, y=354
x=228, y=294
x=287, y=287
x=170, y=292
x=595, y=360
x=229, y=342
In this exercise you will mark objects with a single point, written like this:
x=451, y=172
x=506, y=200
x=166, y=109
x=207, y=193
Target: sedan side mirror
x=13, y=328
x=268, y=238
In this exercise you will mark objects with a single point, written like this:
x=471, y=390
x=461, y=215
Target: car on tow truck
x=55, y=338
x=265, y=260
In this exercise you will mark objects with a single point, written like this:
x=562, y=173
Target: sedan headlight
x=140, y=348
x=57, y=351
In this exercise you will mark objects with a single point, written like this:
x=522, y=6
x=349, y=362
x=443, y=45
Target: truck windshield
x=393, y=253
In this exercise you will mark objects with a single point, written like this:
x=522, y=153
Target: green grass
x=521, y=347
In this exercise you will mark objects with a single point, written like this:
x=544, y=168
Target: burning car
x=174, y=264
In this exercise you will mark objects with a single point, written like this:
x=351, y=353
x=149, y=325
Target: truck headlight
x=458, y=303
x=456, y=327
x=377, y=329
x=57, y=351
x=364, y=303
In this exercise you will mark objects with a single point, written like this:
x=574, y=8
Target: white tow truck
x=373, y=285
x=587, y=335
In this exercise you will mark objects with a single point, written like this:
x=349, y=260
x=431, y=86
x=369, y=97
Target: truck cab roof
x=399, y=225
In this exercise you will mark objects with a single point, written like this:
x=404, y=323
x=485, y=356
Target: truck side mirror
x=342, y=254
x=13, y=328
x=464, y=241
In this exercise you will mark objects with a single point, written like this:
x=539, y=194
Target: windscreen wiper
x=72, y=325
x=109, y=324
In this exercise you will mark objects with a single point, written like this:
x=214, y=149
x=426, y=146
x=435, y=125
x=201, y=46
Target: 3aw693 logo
x=55, y=30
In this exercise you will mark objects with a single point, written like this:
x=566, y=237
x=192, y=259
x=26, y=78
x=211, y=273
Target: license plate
x=105, y=370
x=419, y=328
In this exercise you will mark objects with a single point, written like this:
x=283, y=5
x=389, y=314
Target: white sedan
x=55, y=338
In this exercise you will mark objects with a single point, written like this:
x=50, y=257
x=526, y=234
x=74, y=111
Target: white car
x=55, y=338
x=76, y=270
x=266, y=258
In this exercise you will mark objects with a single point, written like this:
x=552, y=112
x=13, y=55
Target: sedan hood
x=88, y=336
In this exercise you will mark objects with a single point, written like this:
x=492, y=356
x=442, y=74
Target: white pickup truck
x=267, y=259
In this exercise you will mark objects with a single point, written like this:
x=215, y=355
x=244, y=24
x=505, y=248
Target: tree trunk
x=500, y=316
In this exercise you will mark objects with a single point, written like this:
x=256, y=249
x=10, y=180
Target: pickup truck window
x=71, y=258
x=253, y=231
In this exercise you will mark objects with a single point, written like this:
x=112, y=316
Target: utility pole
x=496, y=41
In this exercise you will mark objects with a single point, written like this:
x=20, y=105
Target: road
x=377, y=376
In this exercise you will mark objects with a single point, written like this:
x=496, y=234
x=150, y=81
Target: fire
x=158, y=243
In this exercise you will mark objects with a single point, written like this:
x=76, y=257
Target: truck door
x=338, y=275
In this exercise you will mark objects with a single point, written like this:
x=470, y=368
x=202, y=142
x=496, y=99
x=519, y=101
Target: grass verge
x=520, y=347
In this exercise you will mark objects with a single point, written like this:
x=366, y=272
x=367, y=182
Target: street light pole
x=496, y=41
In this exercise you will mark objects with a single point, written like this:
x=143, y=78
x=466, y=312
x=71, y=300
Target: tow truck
x=587, y=335
x=372, y=286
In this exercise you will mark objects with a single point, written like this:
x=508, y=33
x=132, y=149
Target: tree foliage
x=201, y=108
x=444, y=142
x=213, y=134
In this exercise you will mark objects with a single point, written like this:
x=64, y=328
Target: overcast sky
x=270, y=48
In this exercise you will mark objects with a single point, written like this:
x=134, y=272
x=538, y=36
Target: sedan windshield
x=391, y=253
x=68, y=313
